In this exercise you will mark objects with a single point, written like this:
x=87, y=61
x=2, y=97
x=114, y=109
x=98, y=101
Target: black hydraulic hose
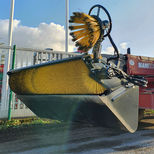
x=115, y=49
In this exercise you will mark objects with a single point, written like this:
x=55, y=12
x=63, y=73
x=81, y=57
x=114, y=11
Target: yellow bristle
x=76, y=20
x=79, y=32
x=78, y=27
x=77, y=35
x=96, y=37
x=80, y=36
x=84, y=41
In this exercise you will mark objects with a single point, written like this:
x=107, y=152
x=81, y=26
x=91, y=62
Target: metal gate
x=24, y=57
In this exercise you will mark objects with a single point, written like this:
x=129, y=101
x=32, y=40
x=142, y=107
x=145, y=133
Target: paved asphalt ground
x=77, y=138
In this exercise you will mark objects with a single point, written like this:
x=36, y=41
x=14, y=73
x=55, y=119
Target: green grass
x=4, y=124
x=149, y=112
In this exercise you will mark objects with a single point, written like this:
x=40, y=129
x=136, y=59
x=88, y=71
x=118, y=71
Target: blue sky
x=133, y=20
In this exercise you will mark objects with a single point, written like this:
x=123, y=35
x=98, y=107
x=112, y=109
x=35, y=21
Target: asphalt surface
x=78, y=138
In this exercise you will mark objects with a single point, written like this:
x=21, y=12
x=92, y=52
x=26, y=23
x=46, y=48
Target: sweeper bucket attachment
x=68, y=90
x=80, y=88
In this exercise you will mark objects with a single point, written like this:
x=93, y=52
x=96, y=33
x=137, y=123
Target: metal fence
x=24, y=57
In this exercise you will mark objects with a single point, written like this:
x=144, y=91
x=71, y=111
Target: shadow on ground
x=76, y=138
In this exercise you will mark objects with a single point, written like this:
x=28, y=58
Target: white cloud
x=108, y=50
x=124, y=45
x=44, y=36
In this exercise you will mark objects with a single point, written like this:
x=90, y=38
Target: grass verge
x=149, y=112
x=14, y=123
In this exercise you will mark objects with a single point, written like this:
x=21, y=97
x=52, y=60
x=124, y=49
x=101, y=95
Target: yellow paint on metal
x=70, y=77
x=92, y=56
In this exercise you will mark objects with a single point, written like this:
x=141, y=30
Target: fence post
x=10, y=96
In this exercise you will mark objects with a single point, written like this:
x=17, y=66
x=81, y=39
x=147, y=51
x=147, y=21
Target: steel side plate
x=124, y=104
